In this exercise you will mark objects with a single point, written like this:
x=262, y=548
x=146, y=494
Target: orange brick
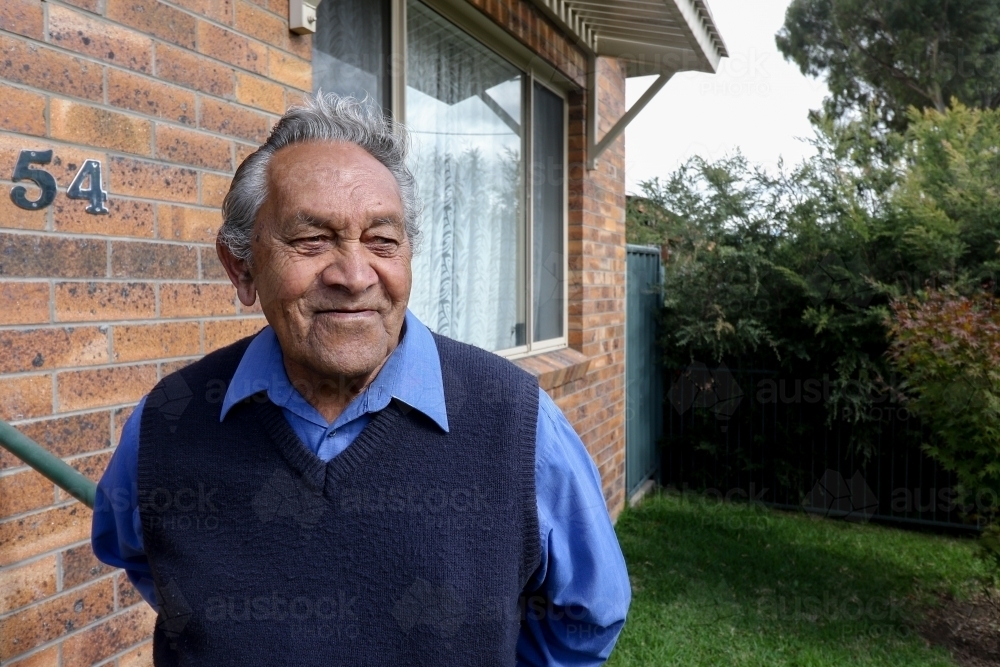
x=46, y=658
x=211, y=267
x=195, y=148
x=37, y=256
x=79, y=390
x=141, y=656
x=186, y=223
x=191, y=71
x=169, y=367
x=219, y=333
x=152, y=180
x=232, y=120
x=23, y=17
x=80, y=565
x=23, y=585
x=265, y=26
x=157, y=341
x=217, y=10
x=243, y=151
x=23, y=492
x=155, y=18
x=196, y=300
x=214, y=189
x=82, y=124
x=126, y=217
x=143, y=259
x=65, y=436
x=35, y=534
x=53, y=618
x=89, y=5
x=40, y=67
x=289, y=70
x=108, y=637
x=29, y=350
x=24, y=303
x=154, y=98
x=232, y=47
x=96, y=301
x=127, y=594
x=15, y=217
x=83, y=34
x=25, y=397
x=91, y=466
x=21, y=111
x=260, y=93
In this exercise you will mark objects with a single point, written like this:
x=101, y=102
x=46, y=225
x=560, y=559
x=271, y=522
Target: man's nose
x=350, y=268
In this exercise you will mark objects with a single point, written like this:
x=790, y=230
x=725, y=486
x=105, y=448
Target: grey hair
x=321, y=117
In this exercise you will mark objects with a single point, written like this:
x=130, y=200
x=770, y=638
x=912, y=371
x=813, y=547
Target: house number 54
x=86, y=184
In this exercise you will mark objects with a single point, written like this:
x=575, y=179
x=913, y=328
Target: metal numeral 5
x=89, y=174
x=43, y=179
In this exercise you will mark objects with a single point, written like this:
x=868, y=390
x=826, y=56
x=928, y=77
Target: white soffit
x=651, y=36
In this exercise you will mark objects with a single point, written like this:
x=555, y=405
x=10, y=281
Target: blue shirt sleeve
x=116, y=531
x=582, y=576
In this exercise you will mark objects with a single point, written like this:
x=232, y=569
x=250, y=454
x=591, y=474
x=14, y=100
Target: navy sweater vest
x=411, y=547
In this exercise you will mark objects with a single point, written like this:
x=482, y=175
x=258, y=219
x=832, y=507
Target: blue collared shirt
x=582, y=570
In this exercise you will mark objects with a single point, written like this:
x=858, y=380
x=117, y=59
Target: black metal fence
x=752, y=434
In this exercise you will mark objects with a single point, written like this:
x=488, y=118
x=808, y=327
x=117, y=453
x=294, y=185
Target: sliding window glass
x=548, y=182
x=351, y=49
x=464, y=109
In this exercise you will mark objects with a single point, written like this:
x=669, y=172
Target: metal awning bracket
x=596, y=148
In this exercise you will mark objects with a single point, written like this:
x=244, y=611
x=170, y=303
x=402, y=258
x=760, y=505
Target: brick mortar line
x=120, y=323
x=102, y=18
x=57, y=642
x=69, y=591
x=11, y=472
x=14, y=231
x=112, y=153
x=272, y=116
x=23, y=515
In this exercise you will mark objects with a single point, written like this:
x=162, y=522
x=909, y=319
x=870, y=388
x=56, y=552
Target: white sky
x=756, y=102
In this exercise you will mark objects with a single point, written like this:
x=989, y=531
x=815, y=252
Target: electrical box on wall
x=302, y=16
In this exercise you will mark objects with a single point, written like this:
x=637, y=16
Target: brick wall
x=170, y=95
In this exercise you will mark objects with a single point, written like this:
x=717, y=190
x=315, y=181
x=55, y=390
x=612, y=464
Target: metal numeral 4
x=94, y=192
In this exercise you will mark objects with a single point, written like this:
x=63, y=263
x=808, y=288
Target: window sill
x=556, y=367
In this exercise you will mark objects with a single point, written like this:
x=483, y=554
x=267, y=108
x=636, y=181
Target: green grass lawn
x=735, y=584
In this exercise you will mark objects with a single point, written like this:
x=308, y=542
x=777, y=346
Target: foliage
x=893, y=54
x=948, y=347
x=799, y=269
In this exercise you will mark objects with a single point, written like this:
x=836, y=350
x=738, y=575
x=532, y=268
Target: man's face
x=331, y=260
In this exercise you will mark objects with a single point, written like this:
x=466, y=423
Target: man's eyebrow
x=323, y=223
x=310, y=220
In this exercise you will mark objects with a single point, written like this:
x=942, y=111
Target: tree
x=893, y=54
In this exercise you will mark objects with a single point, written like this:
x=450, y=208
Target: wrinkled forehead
x=330, y=179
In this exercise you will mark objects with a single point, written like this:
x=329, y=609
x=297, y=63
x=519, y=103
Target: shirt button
x=331, y=434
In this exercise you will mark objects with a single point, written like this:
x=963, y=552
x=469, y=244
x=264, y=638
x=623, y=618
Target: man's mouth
x=349, y=312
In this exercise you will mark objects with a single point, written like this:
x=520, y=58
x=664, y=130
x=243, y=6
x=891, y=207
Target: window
x=489, y=155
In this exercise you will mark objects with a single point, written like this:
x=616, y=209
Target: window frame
x=534, y=70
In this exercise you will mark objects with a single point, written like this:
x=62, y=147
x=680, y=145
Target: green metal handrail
x=48, y=464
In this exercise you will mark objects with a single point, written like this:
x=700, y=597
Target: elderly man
x=347, y=487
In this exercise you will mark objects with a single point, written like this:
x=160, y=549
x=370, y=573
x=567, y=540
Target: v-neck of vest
x=304, y=461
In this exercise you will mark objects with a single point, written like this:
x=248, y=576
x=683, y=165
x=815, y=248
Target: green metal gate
x=643, y=376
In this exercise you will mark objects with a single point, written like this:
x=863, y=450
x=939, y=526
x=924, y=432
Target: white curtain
x=463, y=107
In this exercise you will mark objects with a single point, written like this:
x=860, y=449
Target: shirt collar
x=411, y=374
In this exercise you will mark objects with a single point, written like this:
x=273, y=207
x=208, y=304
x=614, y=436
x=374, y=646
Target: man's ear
x=239, y=274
